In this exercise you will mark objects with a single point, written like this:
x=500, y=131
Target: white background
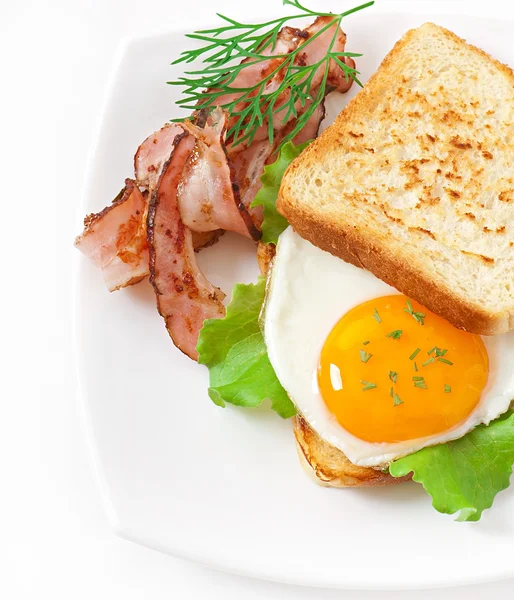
x=55, y=58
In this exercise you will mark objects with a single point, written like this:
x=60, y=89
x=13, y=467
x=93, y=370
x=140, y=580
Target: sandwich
x=384, y=324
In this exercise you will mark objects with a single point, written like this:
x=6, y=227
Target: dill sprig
x=224, y=48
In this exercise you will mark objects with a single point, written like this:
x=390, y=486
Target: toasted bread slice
x=415, y=180
x=328, y=466
x=324, y=463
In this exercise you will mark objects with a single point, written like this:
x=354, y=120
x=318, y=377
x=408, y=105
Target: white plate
x=224, y=487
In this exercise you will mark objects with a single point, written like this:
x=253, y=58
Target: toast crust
x=353, y=246
x=329, y=467
x=359, y=246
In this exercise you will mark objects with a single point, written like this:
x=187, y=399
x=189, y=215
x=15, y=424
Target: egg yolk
x=391, y=371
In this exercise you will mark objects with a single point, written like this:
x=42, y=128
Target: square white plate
x=224, y=487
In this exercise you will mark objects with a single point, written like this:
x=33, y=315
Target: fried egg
x=374, y=373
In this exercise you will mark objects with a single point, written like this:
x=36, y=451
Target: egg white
x=309, y=290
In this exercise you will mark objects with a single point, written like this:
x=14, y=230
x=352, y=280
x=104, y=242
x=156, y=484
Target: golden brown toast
x=328, y=466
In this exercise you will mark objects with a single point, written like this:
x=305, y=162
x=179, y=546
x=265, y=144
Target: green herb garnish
x=365, y=356
x=393, y=376
x=416, y=367
x=368, y=385
x=438, y=351
x=222, y=52
x=445, y=361
x=391, y=392
x=414, y=354
x=447, y=388
x=427, y=362
x=419, y=382
x=418, y=316
x=396, y=334
x=365, y=343
x=397, y=400
x=376, y=316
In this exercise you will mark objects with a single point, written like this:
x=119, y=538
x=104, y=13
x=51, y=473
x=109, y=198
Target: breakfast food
x=198, y=178
x=328, y=466
x=123, y=257
x=415, y=180
x=385, y=247
x=373, y=373
x=325, y=464
x=367, y=218
x=384, y=388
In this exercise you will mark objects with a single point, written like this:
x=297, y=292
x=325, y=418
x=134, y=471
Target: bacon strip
x=115, y=238
x=249, y=160
x=317, y=49
x=310, y=130
x=249, y=164
x=256, y=71
x=153, y=153
x=184, y=296
x=199, y=186
x=208, y=195
x=314, y=51
x=290, y=39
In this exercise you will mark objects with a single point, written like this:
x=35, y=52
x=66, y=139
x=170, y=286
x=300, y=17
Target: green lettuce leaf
x=274, y=223
x=465, y=475
x=234, y=351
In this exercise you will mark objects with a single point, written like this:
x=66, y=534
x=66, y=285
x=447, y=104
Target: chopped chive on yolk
x=420, y=383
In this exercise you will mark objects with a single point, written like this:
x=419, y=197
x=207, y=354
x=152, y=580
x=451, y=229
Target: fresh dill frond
x=222, y=50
